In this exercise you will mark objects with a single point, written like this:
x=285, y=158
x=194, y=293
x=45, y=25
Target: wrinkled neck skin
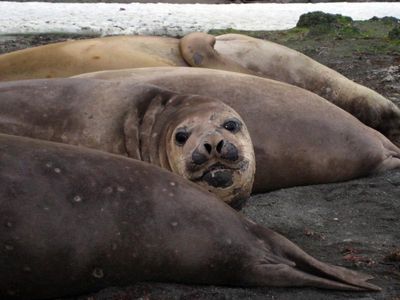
x=152, y=131
x=139, y=118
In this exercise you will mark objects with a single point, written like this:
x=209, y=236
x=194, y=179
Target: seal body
x=299, y=138
x=244, y=54
x=76, y=220
x=199, y=138
x=231, y=52
x=75, y=57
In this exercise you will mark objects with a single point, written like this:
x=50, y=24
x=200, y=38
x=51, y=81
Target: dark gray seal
x=299, y=138
x=200, y=138
x=76, y=220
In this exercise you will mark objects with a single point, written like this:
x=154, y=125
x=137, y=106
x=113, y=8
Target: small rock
x=393, y=256
x=388, y=78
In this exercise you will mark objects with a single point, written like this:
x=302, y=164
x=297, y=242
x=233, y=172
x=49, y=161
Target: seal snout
x=223, y=149
x=229, y=151
x=219, y=160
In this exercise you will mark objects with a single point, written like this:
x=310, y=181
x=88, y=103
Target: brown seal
x=299, y=138
x=82, y=56
x=232, y=52
x=199, y=138
x=75, y=220
x=244, y=54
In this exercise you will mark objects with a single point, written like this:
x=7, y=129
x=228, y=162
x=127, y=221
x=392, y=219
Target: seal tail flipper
x=284, y=275
x=197, y=49
x=386, y=119
x=306, y=271
x=391, y=159
x=392, y=123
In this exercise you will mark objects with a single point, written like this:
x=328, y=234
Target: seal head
x=203, y=140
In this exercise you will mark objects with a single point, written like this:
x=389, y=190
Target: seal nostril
x=208, y=147
x=220, y=145
x=230, y=152
x=199, y=158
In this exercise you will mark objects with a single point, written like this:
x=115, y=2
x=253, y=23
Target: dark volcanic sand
x=355, y=224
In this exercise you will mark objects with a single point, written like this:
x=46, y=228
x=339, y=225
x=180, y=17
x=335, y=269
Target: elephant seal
x=232, y=52
x=244, y=54
x=299, y=138
x=75, y=220
x=82, y=56
x=199, y=138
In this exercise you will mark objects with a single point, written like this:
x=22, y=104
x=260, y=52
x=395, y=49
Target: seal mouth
x=218, y=175
x=198, y=171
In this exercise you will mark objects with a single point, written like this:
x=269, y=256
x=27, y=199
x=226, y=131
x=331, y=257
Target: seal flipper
x=283, y=275
x=392, y=154
x=197, y=49
x=303, y=269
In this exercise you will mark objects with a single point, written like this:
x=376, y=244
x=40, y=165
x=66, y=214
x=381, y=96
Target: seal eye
x=181, y=137
x=232, y=126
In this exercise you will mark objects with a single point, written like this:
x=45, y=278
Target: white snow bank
x=169, y=19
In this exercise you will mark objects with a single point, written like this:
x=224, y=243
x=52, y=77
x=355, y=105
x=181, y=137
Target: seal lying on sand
x=78, y=220
x=244, y=54
x=299, y=138
x=199, y=138
x=233, y=52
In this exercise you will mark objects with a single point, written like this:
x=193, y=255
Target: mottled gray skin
x=299, y=138
x=76, y=220
x=139, y=121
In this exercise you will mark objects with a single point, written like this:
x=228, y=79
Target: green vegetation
x=394, y=34
x=319, y=23
x=318, y=31
x=318, y=18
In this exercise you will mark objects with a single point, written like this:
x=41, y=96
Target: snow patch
x=169, y=19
